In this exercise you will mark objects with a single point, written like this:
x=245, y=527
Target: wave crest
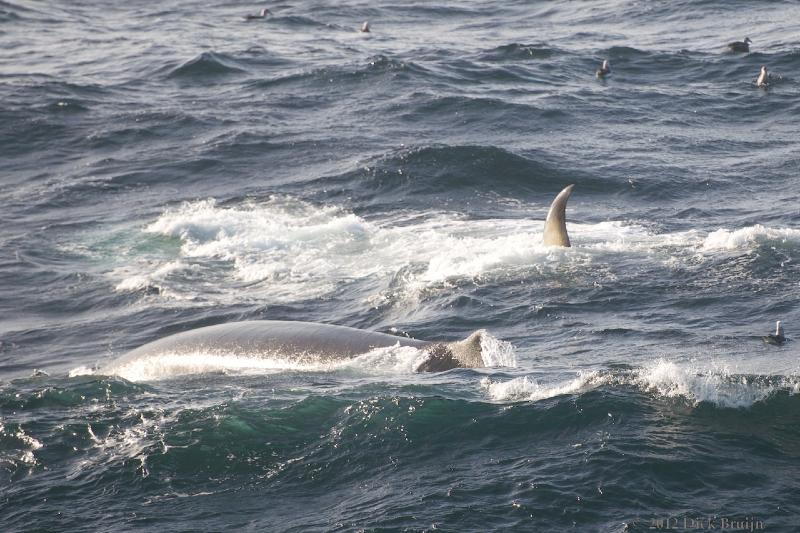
x=207, y=64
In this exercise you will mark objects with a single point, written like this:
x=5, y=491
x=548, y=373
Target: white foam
x=283, y=249
x=717, y=386
x=749, y=237
x=394, y=360
x=169, y=365
x=526, y=388
x=496, y=352
x=693, y=383
x=144, y=280
x=290, y=250
x=286, y=249
x=81, y=371
x=28, y=440
x=26, y=455
x=126, y=443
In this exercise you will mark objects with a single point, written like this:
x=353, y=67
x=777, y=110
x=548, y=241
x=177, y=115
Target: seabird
x=776, y=338
x=365, y=27
x=261, y=15
x=604, y=69
x=762, y=78
x=740, y=46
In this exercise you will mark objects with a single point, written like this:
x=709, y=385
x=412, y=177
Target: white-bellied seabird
x=261, y=15
x=762, y=77
x=365, y=27
x=776, y=338
x=604, y=69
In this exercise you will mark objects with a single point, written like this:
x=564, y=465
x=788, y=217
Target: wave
x=437, y=169
x=170, y=449
x=113, y=421
x=697, y=385
x=44, y=88
x=372, y=68
x=41, y=111
x=518, y=51
x=689, y=383
x=751, y=238
x=530, y=389
x=207, y=65
x=67, y=106
x=475, y=111
x=40, y=392
x=10, y=12
x=299, y=21
x=435, y=11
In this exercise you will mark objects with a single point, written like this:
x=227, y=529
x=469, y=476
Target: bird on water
x=740, y=46
x=604, y=69
x=261, y=15
x=776, y=338
x=762, y=77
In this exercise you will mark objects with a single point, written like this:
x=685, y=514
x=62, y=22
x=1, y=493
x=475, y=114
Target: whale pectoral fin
x=555, y=226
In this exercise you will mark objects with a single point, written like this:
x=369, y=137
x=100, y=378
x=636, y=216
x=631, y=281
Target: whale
x=312, y=341
x=555, y=225
x=305, y=342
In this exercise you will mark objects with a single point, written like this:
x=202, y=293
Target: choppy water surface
x=170, y=166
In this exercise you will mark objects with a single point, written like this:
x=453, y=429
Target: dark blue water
x=165, y=167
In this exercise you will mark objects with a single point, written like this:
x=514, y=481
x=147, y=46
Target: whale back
x=303, y=341
x=274, y=337
x=555, y=226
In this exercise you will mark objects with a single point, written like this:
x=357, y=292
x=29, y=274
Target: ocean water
x=165, y=166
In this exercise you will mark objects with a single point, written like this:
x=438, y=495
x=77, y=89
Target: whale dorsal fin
x=555, y=226
x=468, y=351
x=460, y=354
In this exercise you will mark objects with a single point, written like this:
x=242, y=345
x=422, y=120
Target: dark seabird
x=762, y=80
x=365, y=27
x=261, y=15
x=604, y=69
x=740, y=46
x=776, y=338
